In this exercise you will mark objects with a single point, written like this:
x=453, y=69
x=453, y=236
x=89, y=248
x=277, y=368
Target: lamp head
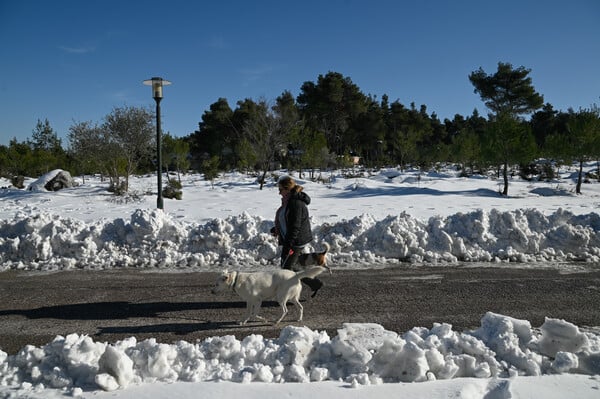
x=157, y=85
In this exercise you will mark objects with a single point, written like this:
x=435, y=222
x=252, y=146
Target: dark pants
x=289, y=261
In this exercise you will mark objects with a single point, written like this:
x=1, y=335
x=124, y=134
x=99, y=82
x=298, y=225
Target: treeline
x=329, y=125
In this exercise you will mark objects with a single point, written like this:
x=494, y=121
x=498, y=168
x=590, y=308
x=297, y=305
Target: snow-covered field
x=370, y=221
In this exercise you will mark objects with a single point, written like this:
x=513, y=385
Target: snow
x=369, y=220
x=373, y=220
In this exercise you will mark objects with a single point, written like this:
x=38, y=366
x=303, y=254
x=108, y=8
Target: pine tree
x=508, y=93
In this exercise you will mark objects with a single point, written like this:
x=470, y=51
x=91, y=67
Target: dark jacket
x=298, y=231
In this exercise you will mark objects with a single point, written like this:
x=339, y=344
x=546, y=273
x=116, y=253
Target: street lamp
x=157, y=85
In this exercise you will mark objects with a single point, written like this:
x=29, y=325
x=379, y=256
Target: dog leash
x=234, y=281
x=290, y=253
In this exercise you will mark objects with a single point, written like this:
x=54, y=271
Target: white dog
x=281, y=285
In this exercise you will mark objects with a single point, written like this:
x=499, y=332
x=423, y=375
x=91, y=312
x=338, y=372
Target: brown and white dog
x=313, y=259
x=281, y=285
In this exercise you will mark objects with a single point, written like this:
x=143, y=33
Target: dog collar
x=234, y=281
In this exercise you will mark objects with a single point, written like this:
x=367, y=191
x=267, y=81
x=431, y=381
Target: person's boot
x=314, y=284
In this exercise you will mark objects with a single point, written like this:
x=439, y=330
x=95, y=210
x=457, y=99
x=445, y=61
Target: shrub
x=173, y=190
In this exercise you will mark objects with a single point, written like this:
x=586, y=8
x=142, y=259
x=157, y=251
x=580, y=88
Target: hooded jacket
x=297, y=232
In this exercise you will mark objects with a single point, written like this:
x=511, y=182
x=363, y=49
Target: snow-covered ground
x=369, y=221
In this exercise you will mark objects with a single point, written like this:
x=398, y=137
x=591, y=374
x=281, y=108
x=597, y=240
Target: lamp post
x=157, y=85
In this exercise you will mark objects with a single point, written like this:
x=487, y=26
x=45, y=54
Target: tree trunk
x=262, y=179
x=505, y=173
x=579, y=177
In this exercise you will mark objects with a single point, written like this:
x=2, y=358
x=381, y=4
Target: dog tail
x=310, y=272
x=324, y=255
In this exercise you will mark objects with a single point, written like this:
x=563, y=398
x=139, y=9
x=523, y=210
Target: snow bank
x=361, y=354
x=151, y=238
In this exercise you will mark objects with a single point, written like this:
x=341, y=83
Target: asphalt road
x=116, y=304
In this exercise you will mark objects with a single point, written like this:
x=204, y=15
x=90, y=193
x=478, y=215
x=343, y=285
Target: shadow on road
x=120, y=310
x=176, y=328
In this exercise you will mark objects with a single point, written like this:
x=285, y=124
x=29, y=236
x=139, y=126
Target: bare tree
x=86, y=146
x=175, y=153
x=129, y=134
x=266, y=136
x=117, y=147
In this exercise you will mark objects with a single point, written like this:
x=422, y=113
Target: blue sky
x=73, y=61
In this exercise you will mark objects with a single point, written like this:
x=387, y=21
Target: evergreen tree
x=215, y=133
x=369, y=135
x=396, y=121
x=293, y=138
x=466, y=149
x=420, y=132
x=508, y=141
x=331, y=106
x=437, y=148
x=4, y=161
x=20, y=159
x=247, y=116
x=247, y=155
x=47, y=149
x=44, y=138
x=466, y=135
x=508, y=93
x=210, y=168
x=315, y=153
x=580, y=141
x=543, y=124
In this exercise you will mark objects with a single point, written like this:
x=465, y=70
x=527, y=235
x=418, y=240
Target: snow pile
x=361, y=354
x=41, y=183
x=152, y=238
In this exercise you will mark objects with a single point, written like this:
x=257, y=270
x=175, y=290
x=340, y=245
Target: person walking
x=292, y=227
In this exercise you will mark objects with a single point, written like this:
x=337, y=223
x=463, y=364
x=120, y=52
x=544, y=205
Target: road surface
x=115, y=304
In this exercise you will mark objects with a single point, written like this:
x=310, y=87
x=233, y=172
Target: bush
x=118, y=188
x=543, y=171
x=173, y=190
x=18, y=181
x=548, y=172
